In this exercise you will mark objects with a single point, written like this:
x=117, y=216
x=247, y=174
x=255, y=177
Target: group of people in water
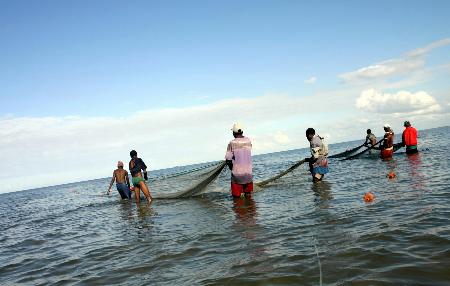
x=139, y=176
x=409, y=140
x=238, y=158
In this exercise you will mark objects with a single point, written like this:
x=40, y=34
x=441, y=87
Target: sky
x=84, y=82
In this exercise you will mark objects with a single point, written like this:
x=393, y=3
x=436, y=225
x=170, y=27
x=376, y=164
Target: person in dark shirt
x=136, y=165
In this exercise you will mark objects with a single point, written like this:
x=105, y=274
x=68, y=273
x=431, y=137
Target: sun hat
x=237, y=128
x=387, y=126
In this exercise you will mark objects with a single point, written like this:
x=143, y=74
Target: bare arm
x=112, y=181
x=128, y=180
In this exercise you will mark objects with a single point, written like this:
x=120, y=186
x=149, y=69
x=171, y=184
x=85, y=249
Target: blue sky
x=79, y=64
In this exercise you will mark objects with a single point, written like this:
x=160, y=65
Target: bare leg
x=317, y=177
x=137, y=194
x=146, y=191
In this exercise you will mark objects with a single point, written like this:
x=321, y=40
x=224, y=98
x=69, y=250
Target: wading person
x=370, y=138
x=387, y=146
x=136, y=165
x=318, y=162
x=239, y=159
x=122, y=181
x=409, y=138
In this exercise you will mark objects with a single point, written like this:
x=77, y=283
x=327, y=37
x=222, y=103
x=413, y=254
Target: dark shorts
x=238, y=189
x=123, y=190
x=411, y=149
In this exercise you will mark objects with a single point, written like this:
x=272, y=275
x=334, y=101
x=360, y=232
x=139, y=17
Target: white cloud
x=409, y=63
x=54, y=150
x=402, y=102
x=311, y=80
x=425, y=50
x=282, y=138
x=383, y=69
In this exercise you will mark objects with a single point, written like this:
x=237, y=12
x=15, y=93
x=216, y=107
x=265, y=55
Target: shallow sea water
x=293, y=232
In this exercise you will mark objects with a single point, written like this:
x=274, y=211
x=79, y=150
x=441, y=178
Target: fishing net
x=281, y=174
x=346, y=152
x=195, y=181
x=396, y=146
x=185, y=184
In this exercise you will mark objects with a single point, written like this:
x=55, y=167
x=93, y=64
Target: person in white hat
x=239, y=159
x=122, y=181
x=387, y=146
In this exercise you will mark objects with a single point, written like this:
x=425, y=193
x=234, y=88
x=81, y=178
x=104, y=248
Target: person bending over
x=318, y=162
x=370, y=138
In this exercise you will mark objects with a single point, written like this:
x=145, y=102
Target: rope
x=318, y=260
x=396, y=146
x=362, y=152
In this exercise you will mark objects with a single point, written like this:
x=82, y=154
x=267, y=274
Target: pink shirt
x=239, y=150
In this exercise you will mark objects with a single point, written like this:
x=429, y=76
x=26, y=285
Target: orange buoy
x=391, y=175
x=369, y=197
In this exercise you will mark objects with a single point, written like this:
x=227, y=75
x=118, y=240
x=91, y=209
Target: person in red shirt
x=409, y=138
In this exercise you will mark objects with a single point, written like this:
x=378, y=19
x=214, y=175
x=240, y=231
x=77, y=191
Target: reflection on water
x=402, y=238
x=245, y=210
x=322, y=193
x=416, y=172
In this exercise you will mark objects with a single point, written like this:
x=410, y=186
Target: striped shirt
x=239, y=151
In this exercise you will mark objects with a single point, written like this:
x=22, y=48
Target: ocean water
x=293, y=232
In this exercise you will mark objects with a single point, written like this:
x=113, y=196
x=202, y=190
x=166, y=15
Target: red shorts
x=386, y=153
x=237, y=189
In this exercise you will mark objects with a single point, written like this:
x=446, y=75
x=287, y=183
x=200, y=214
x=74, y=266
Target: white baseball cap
x=236, y=127
x=387, y=126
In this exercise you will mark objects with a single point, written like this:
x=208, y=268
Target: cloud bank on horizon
x=41, y=151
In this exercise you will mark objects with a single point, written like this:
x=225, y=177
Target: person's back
x=370, y=138
x=121, y=175
x=137, y=165
x=409, y=138
x=239, y=159
x=239, y=150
